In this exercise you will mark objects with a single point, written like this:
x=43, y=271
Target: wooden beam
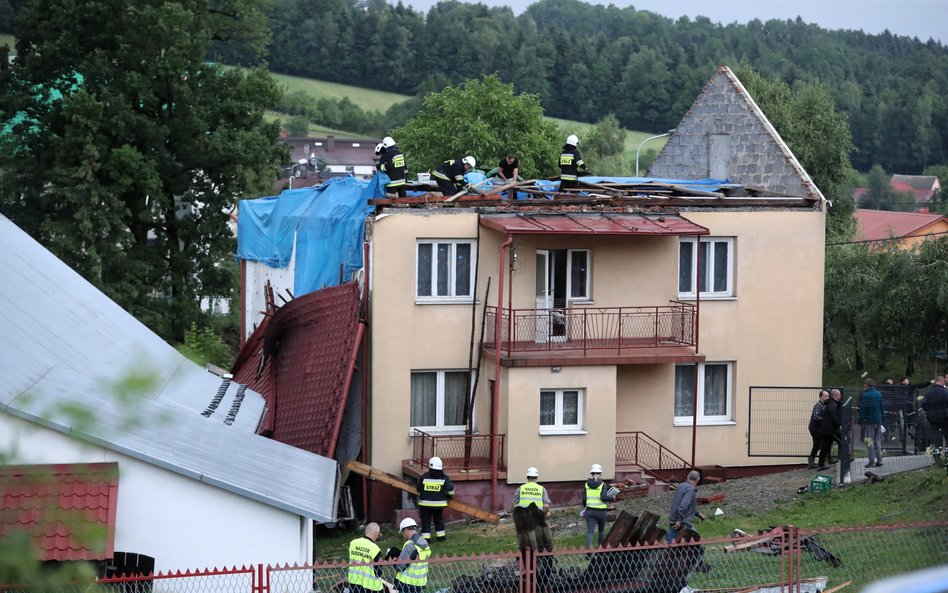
x=453, y=503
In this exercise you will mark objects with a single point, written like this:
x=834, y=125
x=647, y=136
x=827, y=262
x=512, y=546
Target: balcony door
x=551, y=296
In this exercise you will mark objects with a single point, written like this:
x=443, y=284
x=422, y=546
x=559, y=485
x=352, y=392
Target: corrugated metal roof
x=67, y=510
x=307, y=348
x=65, y=344
x=52, y=317
x=592, y=224
x=873, y=225
x=171, y=437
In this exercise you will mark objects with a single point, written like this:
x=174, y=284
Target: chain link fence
x=781, y=559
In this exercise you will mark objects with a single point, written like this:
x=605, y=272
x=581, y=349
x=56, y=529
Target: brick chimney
x=330, y=143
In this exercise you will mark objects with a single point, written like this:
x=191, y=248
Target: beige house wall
x=771, y=330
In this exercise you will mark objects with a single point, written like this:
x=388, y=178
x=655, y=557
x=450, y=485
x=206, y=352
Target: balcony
x=465, y=457
x=595, y=335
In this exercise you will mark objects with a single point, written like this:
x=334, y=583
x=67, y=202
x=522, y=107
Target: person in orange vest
x=434, y=489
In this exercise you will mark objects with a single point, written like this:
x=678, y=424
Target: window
x=714, y=393
x=578, y=265
x=717, y=267
x=438, y=399
x=445, y=271
x=561, y=411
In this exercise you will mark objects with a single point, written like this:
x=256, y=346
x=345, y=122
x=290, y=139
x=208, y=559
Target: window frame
x=728, y=293
x=452, y=271
x=721, y=419
x=558, y=428
x=440, y=427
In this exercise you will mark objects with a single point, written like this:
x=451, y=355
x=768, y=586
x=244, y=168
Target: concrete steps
x=635, y=483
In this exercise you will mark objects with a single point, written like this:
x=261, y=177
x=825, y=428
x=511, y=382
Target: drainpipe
x=495, y=397
x=694, y=416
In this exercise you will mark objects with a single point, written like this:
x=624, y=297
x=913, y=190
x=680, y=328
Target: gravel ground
x=745, y=496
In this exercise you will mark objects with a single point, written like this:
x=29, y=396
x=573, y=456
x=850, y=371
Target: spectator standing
x=815, y=428
x=412, y=570
x=870, y=418
x=684, y=507
x=362, y=551
x=935, y=405
x=434, y=489
x=595, y=497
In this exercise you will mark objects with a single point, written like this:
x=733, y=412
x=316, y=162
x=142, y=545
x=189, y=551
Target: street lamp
x=298, y=164
x=637, y=150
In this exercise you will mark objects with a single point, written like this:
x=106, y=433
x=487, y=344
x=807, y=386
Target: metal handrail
x=457, y=451
x=643, y=450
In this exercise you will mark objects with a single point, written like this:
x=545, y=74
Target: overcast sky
x=915, y=18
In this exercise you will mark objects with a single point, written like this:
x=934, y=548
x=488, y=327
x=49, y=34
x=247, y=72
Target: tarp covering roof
x=591, y=224
x=325, y=223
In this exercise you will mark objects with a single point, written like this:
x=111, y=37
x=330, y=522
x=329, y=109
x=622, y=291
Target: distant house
x=171, y=473
x=339, y=156
x=922, y=188
x=907, y=228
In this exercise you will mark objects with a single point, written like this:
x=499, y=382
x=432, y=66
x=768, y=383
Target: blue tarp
x=327, y=222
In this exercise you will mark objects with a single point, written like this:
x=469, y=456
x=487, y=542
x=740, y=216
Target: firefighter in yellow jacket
x=363, y=551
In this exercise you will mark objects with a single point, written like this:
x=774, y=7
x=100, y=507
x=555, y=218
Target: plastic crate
x=821, y=483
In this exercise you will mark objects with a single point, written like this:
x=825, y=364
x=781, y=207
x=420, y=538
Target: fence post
x=260, y=579
x=528, y=573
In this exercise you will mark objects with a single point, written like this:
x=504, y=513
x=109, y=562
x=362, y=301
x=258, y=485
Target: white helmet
x=595, y=469
x=388, y=142
x=469, y=161
x=533, y=472
x=572, y=140
x=406, y=523
x=435, y=463
x=378, y=149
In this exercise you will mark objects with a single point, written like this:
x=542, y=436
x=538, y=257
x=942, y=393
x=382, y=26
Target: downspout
x=495, y=397
x=694, y=416
x=365, y=378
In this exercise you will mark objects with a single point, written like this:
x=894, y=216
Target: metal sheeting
x=52, y=317
x=592, y=224
x=66, y=346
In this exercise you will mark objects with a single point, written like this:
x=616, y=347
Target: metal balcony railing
x=457, y=452
x=593, y=328
x=639, y=449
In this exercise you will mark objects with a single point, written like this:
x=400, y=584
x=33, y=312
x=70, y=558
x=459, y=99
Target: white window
x=715, y=382
x=561, y=411
x=717, y=267
x=445, y=270
x=438, y=399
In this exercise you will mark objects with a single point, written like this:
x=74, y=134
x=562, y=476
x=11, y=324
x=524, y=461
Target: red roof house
x=66, y=510
x=908, y=228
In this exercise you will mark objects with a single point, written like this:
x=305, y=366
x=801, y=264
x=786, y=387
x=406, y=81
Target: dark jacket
x=452, y=170
x=870, y=407
x=434, y=488
x=816, y=417
x=393, y=163
x=570, y=163
x=831, y=422
x=935, y=404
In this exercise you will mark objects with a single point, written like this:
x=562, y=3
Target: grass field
x=367, y=99
x=6, y=40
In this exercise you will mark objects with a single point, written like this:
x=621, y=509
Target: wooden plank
x=453, y=503
x=838, y=587
x=752, y=543
x=466, y=189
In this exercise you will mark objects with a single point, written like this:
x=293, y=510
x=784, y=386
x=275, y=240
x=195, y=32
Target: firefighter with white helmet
x=411, y=573
x=434, y=489
x=393, y=163
x=595, y=498
x=570, y=163
x=449, y=175
x=532, y=492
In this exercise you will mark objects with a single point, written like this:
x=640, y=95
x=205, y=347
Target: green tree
x=126, y=150
x=806, y=118
x=603, y=147
x=483, y=118
x=881, y=195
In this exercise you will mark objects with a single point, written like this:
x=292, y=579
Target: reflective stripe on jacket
x=364, y=551
x=531, y=492
x=417, y=572
x=594, y=496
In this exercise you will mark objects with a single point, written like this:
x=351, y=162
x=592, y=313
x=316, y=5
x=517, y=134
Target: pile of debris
x=774, y=541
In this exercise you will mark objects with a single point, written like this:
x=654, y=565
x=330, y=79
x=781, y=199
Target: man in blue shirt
x=870, y=418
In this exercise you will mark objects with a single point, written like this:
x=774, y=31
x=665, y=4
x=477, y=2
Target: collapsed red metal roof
x=302, y=359
x=592, y=224
x=67, y=510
